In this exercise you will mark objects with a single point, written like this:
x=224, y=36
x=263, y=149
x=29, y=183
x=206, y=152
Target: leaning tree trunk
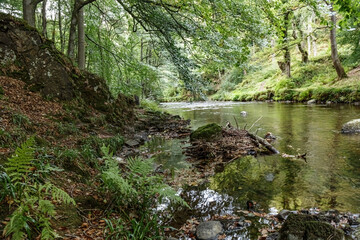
x=29, y=7
x=334, y=53
x=81, y=39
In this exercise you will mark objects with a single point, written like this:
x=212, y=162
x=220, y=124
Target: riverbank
x=315, y=80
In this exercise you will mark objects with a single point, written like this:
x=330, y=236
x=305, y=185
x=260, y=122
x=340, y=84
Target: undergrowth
x=30, y=195
x=139, y=190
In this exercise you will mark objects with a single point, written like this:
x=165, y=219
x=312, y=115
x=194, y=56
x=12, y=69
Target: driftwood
x=264, y=142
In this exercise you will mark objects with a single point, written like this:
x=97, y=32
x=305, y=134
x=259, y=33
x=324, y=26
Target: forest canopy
x=187, y=50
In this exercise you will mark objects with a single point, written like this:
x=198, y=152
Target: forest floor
x=67, y=138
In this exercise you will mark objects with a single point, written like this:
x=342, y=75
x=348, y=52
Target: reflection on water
x=330, y=179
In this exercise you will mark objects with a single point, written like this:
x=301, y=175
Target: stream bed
x=330, y=179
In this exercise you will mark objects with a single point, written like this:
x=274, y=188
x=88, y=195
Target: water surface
x=330, y=178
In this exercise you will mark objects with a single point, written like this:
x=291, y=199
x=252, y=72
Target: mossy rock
x=208, y=132
x=298, y=227
x=351, y=127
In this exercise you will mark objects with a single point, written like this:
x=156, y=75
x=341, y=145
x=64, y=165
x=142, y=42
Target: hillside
x=315, y=80
x=71, y=116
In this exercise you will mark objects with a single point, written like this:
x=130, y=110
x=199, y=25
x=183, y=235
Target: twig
x=237, y=125
x=255, y=122
x=245, y=126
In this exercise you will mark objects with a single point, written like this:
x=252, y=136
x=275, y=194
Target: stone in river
x=208, y=230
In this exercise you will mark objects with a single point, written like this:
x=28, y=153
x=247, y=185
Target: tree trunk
x=304, y=53
x=43, y=13
x=78, y=5
x=29, y=7
x=314, y=44
x=334, y=53
x=285, y=66
x=62, y=43
x=72, y=32
x=81, y=39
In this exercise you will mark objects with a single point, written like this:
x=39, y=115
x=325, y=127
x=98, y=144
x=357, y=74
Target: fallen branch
x=264, y=143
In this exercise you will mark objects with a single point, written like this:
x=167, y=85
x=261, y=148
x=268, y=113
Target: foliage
x=137, y=189
x=150, y=105
x=34, y=210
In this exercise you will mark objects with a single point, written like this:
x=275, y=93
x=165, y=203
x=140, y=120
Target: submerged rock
x=351, y=127
x=283, y=214
x=208, y=230
x=298, y=227
x=208, y=132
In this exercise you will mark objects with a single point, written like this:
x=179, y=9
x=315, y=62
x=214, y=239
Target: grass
x=315, y=80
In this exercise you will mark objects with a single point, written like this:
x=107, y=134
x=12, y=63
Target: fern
x=141, y=167
x=57, y=193
x=47, y=233
x=32, y=201
x=19, y=163
x=18, y=223
x=166, y=192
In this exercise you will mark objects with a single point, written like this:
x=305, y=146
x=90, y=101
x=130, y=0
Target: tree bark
x=73, y=24
x=72, y=31
x=29, y=7
x=81, y=39
x=62, y=42
x=285, y=66
x=334, y=53
x=44, y=23
x=304, y=53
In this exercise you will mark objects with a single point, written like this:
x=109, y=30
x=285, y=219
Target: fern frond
x=17, y=224
x=141, y=167
x=47, y=208
x=114, y=181
x=57, y=193
x=166, y=192
x=47, y=232
x=18, y=164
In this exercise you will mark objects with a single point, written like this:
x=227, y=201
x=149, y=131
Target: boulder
x=351, y=127
x=312, y=101
x=26, y=55
x=208, y=132
x=208, y=230
x=298, y=227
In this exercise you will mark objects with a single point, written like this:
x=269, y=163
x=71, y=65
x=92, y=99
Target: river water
x=329, y=180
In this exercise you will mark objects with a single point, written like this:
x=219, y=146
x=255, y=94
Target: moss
x=308, y=227
x=207, y=132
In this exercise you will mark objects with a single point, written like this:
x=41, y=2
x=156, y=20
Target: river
x=330, y=179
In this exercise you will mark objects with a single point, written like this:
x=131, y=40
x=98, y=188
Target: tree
x=302, y=50
x=29, y=8
x=279, y=14
x=334, y=53
x=78, y=5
